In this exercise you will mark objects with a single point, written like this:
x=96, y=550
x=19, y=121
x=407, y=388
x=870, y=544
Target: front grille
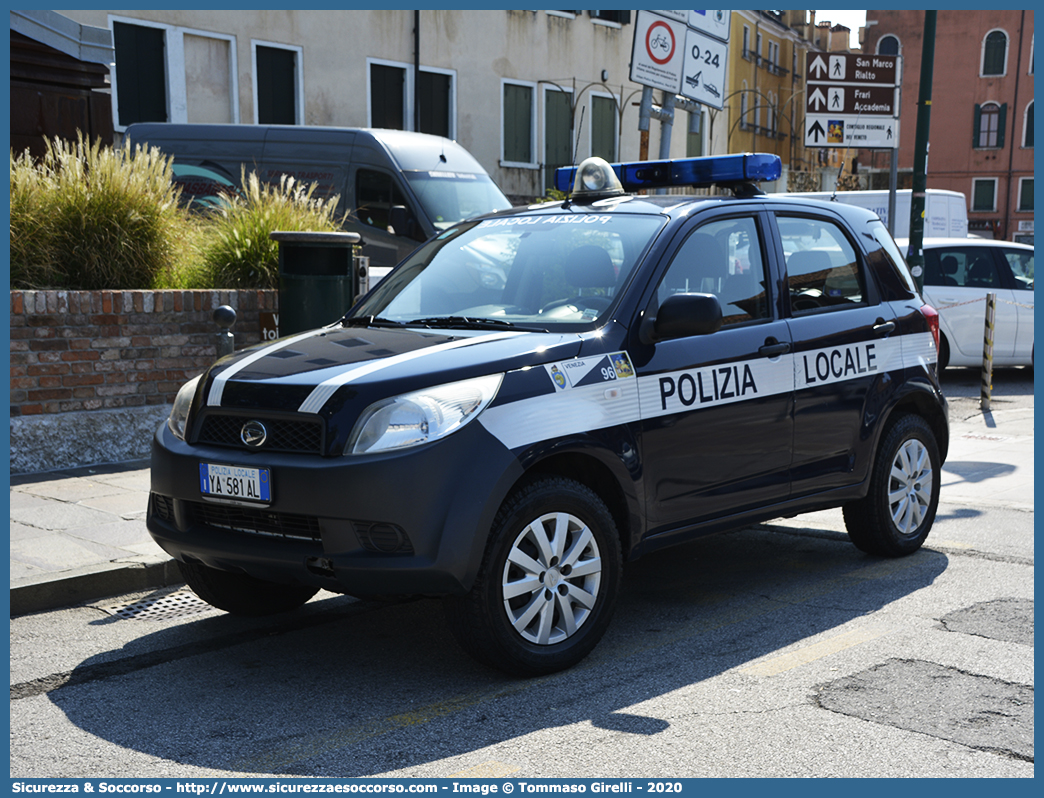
x=254, y=522
x=284, y=434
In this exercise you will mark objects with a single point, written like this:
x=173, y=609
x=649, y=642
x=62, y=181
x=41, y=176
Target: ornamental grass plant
x=238, y=252
x=91, y=217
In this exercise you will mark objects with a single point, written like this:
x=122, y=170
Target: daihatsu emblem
x=253, y=433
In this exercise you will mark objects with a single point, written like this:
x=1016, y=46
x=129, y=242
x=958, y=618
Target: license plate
x=232, y=483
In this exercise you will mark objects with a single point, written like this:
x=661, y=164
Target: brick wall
x=103, y=350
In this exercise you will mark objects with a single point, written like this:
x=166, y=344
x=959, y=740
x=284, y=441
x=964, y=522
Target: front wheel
x=548, y=582
x=895, y=516
x=241, y=594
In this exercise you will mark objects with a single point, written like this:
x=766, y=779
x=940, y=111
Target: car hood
x=321, y=370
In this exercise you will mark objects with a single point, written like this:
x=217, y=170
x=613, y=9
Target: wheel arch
x=610, y=481
x=922, y=402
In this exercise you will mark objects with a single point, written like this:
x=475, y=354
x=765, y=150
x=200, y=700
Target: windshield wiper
x=369, y=321
x=461, y=321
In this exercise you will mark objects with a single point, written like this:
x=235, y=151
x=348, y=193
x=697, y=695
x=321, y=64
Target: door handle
x=772, y=348
x=884, y=327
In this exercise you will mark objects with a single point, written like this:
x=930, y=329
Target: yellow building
x=764, y=109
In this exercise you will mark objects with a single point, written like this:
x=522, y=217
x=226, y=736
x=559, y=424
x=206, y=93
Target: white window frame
x=1018, y=207
x=616, y=121
x=174, y=67
x=982, y=54
x=299, y=103
x=607, y=23
x=975, y=180
x=561, y=14
x=534, y=125
x=744, y=107
x=746, y=42
x=1026, y=115
x=979, y=138
x=407, y=113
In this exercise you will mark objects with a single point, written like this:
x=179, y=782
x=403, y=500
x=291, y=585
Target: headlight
x=422, y=416
x=182, y=403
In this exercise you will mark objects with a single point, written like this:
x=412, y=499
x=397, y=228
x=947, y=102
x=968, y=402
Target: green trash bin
x=317, y=278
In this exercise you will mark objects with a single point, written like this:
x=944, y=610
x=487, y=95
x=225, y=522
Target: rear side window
x=963, y=267
x=1021, y=263
x=823, y=271
x=889, y=252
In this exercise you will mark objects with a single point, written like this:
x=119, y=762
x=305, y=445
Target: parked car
x=536, y=396
x=958, y=274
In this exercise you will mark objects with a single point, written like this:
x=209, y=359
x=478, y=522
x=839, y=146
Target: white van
x=945, y=212
x=398, y=187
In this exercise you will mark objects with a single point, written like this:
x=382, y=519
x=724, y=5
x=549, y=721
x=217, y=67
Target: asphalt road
x=773, y=651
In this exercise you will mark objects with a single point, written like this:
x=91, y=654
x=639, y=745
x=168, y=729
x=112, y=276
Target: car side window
x=1021, y=263
x=962, y=267
x=722, y=258
x=823, y=271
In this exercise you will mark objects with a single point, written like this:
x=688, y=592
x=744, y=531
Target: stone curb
x=90, y=583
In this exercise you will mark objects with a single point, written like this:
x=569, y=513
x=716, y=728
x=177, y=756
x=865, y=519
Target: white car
x=958, y=274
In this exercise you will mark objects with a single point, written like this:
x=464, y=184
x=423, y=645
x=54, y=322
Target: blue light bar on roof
x=697, y=172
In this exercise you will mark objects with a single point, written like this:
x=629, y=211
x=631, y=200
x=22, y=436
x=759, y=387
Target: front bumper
x=412, y=522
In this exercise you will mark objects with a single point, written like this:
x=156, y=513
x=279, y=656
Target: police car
x=536, y=396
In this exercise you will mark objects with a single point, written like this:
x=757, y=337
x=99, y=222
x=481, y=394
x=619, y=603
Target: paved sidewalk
x=79, y=535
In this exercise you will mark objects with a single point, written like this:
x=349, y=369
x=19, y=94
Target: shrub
x=239, y=252
x=92, y=217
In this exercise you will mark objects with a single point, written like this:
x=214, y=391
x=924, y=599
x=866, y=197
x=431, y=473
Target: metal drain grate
x=179, y=604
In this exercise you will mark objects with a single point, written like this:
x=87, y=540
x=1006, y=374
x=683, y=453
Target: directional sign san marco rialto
x=852, y=100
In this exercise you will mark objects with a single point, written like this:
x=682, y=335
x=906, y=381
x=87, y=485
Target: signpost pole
x=915, y=255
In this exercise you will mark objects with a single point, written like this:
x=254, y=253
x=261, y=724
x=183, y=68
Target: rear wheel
x=548, y=582
x=241, y=594
x=944, y=352
x=895, y=516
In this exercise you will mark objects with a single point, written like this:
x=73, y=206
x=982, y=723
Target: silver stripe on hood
x=218, y=386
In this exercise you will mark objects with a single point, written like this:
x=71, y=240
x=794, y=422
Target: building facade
x=519, y=89
x=524, y=91
x=981, y=135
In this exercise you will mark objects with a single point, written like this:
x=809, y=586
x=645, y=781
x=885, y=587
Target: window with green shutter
x=603, y=128
x=141, y=78
x=518, y=123
x=990, y=121
x=984, y=193
x=558, y=147
x=387, y=96
x=994, y=53
x=1026, y=194
x=276, y=86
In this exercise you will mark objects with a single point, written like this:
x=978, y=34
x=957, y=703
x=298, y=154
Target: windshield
x=543, y=272
x=451, y=197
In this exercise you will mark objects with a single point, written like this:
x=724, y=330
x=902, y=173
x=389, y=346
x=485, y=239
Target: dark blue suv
x=535, y=396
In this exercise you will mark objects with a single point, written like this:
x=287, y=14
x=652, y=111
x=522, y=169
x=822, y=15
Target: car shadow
x=347, y=688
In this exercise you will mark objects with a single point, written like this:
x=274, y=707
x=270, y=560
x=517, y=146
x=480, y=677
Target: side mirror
x=401, y=221
x=681, y=316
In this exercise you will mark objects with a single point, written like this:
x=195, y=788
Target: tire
x=240, y=594
x=554, y=553
x=895, y=516
x=944, y=353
